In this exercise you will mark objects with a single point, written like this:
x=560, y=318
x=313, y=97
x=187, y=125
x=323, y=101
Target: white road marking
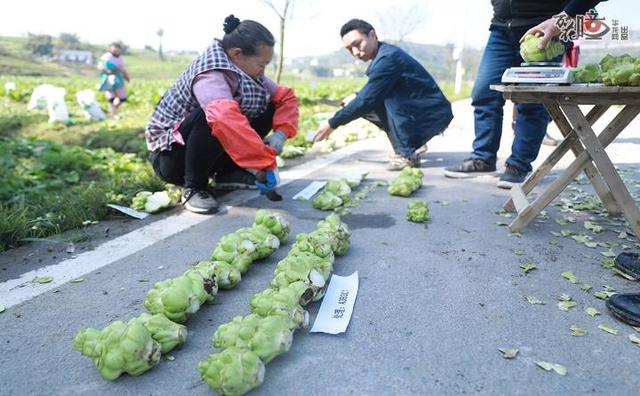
x=16, y=291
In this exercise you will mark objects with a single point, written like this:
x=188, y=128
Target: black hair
x=247, y=35
x=356, y=24
x=116, y=44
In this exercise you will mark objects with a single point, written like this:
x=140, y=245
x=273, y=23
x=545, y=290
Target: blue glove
x=270, y=184
x=276, y=140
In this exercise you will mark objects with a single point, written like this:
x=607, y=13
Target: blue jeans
x=503, y=51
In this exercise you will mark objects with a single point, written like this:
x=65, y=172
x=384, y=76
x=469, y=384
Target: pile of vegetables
x=418, y=212
x=621, y=70
x=589, y=73
x=337, y=193
x=152, y=202
x=531, y=53
x=250, y=342
x=136, y=346
x=409, y=180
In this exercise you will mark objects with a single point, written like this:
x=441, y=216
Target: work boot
x=398, y=163
x=511, y=177
x=235, y=179
x=469, y=168
x=625, y=307
x=199, y=201
x=629, y=263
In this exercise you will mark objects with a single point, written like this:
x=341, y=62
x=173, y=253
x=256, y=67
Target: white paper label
x=337, y=305
x=310, y=190
x=129, y=211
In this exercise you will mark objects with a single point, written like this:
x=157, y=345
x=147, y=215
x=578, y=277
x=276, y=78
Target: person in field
x=113, y=77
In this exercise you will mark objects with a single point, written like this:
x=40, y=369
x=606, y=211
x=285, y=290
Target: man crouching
x=400, y=97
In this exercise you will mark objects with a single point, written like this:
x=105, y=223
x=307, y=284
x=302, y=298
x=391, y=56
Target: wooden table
x=579, y=137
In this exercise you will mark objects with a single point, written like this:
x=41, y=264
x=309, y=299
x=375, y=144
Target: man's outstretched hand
x=323, y=132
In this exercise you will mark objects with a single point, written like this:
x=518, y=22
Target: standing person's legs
x=488, y=105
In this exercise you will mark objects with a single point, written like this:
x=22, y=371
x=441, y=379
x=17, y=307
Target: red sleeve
x=285, y=117
x=239, y=140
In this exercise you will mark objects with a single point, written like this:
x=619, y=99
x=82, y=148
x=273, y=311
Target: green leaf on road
x=556, y=233
x=508, y=353
x=591, y=245
x=566, y=233
x=568, y=275
x=527, y=267
x=622, y=274
x=501, y=223
x=608, y=253
x=608, y=288
x=608, y=329
x=518, y=252
x=586, y=287
x=558, y=368
x=2, y=308
x=635, y=339
x=603, y=295
x=170, y=358
x=42, y=279
x=564, y=297
x=566, y=305
x=591, y=311
x=593, y=227
x=607, y=263
x=578, y=331
x=534, y=300
x=77, y=280
x=622, y=235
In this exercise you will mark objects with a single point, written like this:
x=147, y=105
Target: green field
x=56, y=177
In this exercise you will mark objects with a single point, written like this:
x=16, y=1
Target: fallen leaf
x=608, y=329
x=564, y=297
x=534, y=300
x=591, y=244
x=608, y=288
x=603, y=295
x=42, y=279
x=170, y=358
x=566, y=305
x=586, y=287
x=623, y=274
x=591, y=311
x=518, y=252
x=568, y=275
x=578, y=331
x=508, y=353
x=593, y=227
x=555, y=233
x=2, y=308
x=608, y=253
x=553, y=242
x=77, y=280
x=143, y=280
x=622, y=235
x=558, y=368
x=632, y=337
x=56, y=291
x=606, y=263
x=527, y=267
x=566, y=233
x=501, y=223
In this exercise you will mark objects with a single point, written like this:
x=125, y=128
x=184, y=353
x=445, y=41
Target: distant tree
x=149, y=48
x=283, y=10
x=40, y=44
x=69, y=41
x=160, y=34
x=397, y=22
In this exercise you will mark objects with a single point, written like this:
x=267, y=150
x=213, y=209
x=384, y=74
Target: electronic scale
x=538, y=73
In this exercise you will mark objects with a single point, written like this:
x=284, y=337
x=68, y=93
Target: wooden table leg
x=612, y=130
x=592, y=173
x=600, y=158
x=569, y=142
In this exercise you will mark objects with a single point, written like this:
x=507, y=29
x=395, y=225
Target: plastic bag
x=87, y=101
x=38, y=98
x=58, y=111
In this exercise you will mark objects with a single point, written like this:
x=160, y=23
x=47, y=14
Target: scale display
x=537, y=75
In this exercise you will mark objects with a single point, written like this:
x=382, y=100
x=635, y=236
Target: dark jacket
x=415, y=106
x=520, y=14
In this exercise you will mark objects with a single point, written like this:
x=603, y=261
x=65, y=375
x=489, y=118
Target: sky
x=313, y=29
